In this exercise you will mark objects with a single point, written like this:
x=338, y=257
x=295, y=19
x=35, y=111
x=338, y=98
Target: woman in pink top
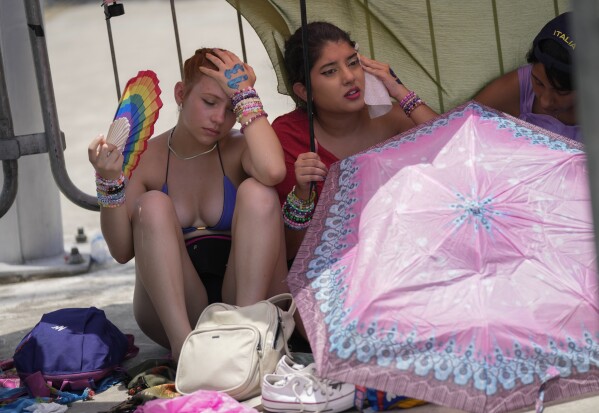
x=542, y=92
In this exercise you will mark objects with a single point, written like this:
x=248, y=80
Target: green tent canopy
x=444, y=50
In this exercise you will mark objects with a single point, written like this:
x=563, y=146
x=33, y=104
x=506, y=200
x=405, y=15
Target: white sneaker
x=287, y=365
x=303, y=392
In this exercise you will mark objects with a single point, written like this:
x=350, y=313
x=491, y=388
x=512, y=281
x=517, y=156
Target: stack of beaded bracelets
x=247, y=105
x=297, y=213
x=410, y=102
x=111, y=192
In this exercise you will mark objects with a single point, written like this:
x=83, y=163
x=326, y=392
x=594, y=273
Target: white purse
x=231, y=348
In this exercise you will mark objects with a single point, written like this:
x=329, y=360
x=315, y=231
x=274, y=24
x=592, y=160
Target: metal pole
x=240, y=24
x=307, y=73
x=177, y=40
x=49, y=112
x=10, y=183
x=112, y=54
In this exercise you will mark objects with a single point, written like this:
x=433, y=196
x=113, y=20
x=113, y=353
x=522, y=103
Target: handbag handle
x=284, y=297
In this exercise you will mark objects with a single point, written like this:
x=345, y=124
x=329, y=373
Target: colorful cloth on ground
x=151, y=373
x=149, y=380
x=31, y=404
x=162, y=391
x=198, y=401
x=46, y=408
x=527, y=98
x=9, y=378
x=380, y=401
x=8, y=396
x=293, y=131
x=19, y=405
x=18, y=399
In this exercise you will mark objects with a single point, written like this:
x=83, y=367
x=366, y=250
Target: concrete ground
x=80, y=58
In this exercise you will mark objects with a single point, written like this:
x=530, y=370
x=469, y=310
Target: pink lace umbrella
x=455, y=264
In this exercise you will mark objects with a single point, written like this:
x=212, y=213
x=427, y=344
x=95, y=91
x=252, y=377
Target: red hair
x=191, y=68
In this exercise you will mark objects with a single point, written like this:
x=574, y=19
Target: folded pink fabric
x=10, y=382
x=198, y=401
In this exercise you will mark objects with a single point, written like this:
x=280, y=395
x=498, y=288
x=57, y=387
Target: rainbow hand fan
x=135, y=116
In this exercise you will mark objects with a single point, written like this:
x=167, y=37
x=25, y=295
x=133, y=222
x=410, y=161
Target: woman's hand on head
x=232, y=74
x=384, y=73
x=106, y=159
x=308, y=168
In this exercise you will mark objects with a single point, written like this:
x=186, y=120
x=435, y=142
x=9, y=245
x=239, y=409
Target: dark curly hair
x=319, y=33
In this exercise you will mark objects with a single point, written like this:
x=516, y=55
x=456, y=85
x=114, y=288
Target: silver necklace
x=183, y=158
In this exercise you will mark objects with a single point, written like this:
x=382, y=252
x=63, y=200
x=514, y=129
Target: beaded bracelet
x=111, y=192
x=238, y=96
x=407, y=98
x=247, y=105
x=417, y=102
x=298, y=213
x=410, y=102
x=111, y=201
x=105, y=183
x=250, y=120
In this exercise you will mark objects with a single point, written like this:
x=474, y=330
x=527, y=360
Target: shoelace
x=321, y=385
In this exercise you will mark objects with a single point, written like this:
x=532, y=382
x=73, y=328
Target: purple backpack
x=73, y=347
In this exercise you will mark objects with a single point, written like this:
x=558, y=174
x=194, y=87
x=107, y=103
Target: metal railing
x=52, y=139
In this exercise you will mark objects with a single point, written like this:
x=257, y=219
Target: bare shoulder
x=502, y=94
x=152, y=162
x=233, y=142
x=156, y=146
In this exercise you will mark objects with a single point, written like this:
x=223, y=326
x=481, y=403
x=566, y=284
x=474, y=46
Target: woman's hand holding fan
x=135, y=117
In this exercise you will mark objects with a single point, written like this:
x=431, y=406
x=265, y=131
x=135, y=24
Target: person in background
x=543, y=91
x=342, y=125
x=192, y=208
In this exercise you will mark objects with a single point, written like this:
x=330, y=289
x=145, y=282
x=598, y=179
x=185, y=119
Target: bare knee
x=153, y=209
x=257, y=199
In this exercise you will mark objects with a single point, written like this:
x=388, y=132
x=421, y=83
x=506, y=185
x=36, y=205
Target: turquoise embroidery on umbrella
x=474, y=211
x=535, y=137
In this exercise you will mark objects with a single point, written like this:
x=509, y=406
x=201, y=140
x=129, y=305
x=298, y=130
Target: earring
x=180, y=107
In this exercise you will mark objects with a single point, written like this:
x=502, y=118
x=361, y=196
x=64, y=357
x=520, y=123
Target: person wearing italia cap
x=543, y=91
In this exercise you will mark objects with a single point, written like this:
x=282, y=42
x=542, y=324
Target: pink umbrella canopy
x=455, y=264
